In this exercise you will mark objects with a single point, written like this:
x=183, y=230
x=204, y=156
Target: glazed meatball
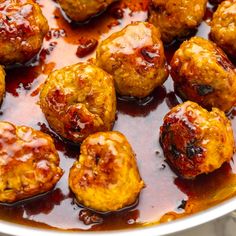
x=29, y=163
x=202, y=73
x=2, y=83
x=176, y=18
x=196, y=141
x=79, y=100
x=135, y=57
x=82, y=10
x=223, y=27
x=22, y=29
x=106, y=176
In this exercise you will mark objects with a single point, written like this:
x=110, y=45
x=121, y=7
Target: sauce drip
x=166, y=197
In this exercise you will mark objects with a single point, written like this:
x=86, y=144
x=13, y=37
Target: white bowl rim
x=154, y=230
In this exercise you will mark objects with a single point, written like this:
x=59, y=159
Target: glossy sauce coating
x=196, y=141
x=23, y=28
x=79, y=100
x=135, y=58
x=29, y=163
x=105, y=177
x=82, y=10
x=163, y=197
x=223, y=27
x=202, y=73
x=176, y=18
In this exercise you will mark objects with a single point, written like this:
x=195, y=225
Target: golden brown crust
x=196, y=141
x=106, y=176
x=82, y=10
x=176, y=18
x=223, y=27
x=29, y=163
x=2, y=83
x=79, y=100
x=22, y=29
x=135, y=57
x=202, y=73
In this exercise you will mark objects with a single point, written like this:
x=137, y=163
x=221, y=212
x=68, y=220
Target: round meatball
x=202, y=73
x=79, y=100
x=223, y=27
x=176, y=18
x=135, y=57
x=82, y=10
x=2, y=83
x=196, y=141
x=106, y=176
x=29, y=163
x=22, y=29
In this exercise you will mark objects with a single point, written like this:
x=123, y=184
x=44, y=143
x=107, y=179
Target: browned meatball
x=79, y=100
x=135, y=57
x=223, y=27
x=176, y=18
x=82, y=10
x=106, y=177
x=22, y=29
x=29, y=163
x=202, y=73
x=196, y=141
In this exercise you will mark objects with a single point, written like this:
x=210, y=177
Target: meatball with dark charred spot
x=79, y=100
x=196, y=141
x=29, y=163
x=202, y=73
x=135, y=57
x=82, y=10
x=106, y=178
x=223, y=27
x=176, y=18
x=2, y=83
x=22, y=30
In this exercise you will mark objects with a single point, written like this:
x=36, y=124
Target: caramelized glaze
x=14, y=22
x=166, y=196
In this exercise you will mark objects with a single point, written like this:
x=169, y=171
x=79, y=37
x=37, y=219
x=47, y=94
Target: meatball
x=22, y=29
x=196, y=141
x=202, y=73
x=223, y=27
x=79, y=100
x=29, y=163
x=2, y=83
x=106, y=177
x=176, y=18
x=82, y=10
x=135, y=57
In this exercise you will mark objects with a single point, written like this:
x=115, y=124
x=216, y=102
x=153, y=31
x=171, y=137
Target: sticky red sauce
x=166, y=197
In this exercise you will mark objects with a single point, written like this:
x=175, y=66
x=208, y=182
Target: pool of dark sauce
x=166, y=197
